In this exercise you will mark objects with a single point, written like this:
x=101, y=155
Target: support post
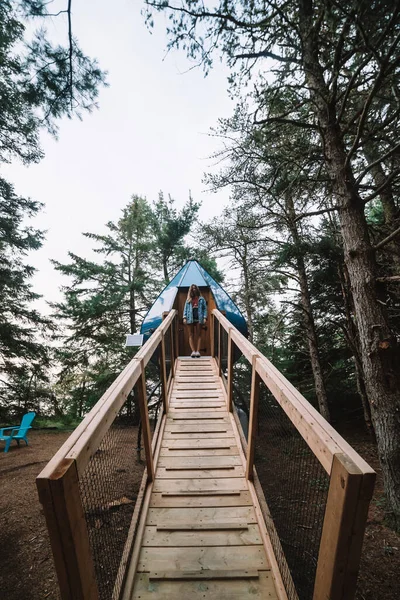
x=230, y=372
x=254, y=399
x=144, y=414
x=65, y=519
x=346, y=512
x=176, y=334
x=163, y=375
x=212, y=336
x=219, y=350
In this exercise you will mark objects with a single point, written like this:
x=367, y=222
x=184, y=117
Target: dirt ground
x=26, y=566
x=26, y=563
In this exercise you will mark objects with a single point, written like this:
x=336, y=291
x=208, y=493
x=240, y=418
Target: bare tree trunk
x=378, y=345
x=309, y=323
x=354, y=345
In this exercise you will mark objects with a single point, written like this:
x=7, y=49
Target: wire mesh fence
x=168, y=340
x=109, y=489
x=154, y=389
x=295, y=487
x=241, y=387
x=224, y=339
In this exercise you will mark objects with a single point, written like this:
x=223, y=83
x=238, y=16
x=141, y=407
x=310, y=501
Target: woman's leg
x=198, y=337
x=191, y=334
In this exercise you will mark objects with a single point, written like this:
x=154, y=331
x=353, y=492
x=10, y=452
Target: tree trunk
x=378, y=345
x=309, y=323
x=247, y=292
x=354, y=345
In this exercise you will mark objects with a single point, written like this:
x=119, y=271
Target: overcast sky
x=149, y=134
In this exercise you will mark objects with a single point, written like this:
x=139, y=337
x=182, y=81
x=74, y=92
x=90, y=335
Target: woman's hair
x=192, y=292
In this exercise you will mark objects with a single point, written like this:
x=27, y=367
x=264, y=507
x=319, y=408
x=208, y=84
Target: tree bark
x=309, y=323
x=247, y=292
x=378, y=344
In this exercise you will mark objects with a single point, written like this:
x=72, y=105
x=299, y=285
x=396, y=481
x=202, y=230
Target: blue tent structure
x=174, y=296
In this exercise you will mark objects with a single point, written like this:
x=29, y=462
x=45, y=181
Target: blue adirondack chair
x=17, y=432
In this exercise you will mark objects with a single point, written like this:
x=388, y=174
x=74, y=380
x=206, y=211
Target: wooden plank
x=178, y=452
x=205, y=435
x=229, y=389
x=254, y=399
x=206, y=516
x=166, y=500
x=215, y=558
x=199, y=443
x=195, y=386
x=199, y=418
x=199, y=462
x=234, y=589
x=220, y=526
x=198, y=406
x=205, y=575
x=343, y=531
x=201, y=485
x=62, y=505
x=222, y=472
x=197, y=428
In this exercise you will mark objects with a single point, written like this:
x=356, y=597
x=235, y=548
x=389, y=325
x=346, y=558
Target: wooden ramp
x=201, y=537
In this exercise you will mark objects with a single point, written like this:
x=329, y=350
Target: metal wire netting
x=241, y=387
x=168, y=347
x=154, y=389
x=224, y=352
x=295, y=487
x=109, y=489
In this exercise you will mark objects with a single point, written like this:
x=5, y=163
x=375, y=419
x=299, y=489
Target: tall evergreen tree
x=21, y=325
x=341, y=62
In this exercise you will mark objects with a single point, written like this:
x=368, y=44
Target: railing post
x=176, y=334
x=229, y=390
x=144, y=415
x=65, y=519
x=219, y=350
x=212, y=335
x=346, y=512
x=163, y=374
x=254, y=399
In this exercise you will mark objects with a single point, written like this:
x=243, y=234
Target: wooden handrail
x=351, y=478
x=322, y=438
x=58, y=483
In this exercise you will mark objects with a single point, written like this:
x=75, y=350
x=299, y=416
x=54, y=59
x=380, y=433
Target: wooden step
x=205, y=575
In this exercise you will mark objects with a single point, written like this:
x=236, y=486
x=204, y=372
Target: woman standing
x=195, y=315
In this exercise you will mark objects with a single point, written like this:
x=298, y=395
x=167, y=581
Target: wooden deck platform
x=200, y=536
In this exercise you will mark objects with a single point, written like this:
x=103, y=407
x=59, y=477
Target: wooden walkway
x=201, y=536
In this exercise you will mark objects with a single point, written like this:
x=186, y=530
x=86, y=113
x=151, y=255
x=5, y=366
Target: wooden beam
x=229, y=389
x=146, y=431
x=163, y=374
x=219, y=350
x=212, y=350
x=343, y=531
x=63, y=510
x=254, y=399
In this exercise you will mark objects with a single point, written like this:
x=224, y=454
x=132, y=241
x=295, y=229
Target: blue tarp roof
x=190, y=273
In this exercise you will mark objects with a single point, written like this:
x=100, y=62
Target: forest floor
x=26, y=565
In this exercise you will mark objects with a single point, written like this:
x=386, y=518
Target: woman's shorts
x=195, y=315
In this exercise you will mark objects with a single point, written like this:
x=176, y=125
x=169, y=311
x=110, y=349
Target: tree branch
x=387, y=239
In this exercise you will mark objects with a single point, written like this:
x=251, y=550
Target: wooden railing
x=351, y=479
x=59, y=482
